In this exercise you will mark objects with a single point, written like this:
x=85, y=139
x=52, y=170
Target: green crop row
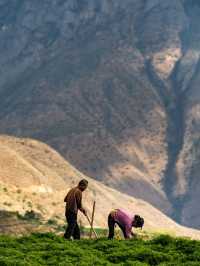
x=49, y=249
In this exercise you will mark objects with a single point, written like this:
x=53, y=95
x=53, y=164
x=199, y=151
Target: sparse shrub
x=30, y=215
x=60, y=228
x=7, y=204
x=30, y=205
x=52, y=222
x=7, y=214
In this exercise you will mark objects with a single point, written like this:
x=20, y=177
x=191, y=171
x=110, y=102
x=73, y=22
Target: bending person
x=73, y=201
x=125, y=221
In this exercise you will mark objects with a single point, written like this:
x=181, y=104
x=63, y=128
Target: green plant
x=50, y=249
x=52, y=222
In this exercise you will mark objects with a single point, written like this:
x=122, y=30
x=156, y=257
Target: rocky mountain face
x=114, y=86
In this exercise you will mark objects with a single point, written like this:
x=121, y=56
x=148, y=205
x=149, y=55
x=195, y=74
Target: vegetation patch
x=30, y=216
x=49, y=249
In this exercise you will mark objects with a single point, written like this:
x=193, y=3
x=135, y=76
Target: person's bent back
x=125, y=221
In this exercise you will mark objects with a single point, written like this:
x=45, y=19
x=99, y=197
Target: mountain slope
x=113, y=86
x=35, y=177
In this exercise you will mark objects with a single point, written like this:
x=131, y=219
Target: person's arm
x=127, y=232
x=65, y=199
x=79, y=202
x=133, y=234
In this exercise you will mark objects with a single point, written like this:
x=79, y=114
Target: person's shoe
x=67, y=238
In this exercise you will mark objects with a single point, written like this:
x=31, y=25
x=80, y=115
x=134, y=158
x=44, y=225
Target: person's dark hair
x=83, y=183
x=139, y=221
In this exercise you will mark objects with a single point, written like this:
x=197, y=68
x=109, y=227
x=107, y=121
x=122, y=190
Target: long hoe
x=91, y=222
x=95, y=233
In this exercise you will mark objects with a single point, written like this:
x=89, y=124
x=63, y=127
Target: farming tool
x=91, y=222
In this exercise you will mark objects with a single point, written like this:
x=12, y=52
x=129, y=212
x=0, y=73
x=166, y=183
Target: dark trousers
x=111, y=226
x=72, y=227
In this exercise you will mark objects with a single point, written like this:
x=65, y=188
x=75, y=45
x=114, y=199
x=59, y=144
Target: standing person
x=73, y=201
x=125, y=221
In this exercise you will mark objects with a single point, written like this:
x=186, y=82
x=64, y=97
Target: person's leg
x=71, y=220
x=76, y=233
x=111, y=226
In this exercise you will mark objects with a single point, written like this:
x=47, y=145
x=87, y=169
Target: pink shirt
x=125, y=219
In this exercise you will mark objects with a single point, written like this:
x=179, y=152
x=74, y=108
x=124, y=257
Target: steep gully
x=175, y=140
x=175, y=112
x=174, y=106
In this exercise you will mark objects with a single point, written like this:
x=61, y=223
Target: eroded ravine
x=175, y=140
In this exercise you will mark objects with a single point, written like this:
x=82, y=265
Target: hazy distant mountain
x=114, y=86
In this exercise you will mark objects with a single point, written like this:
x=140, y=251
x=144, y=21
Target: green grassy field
x=49, y=249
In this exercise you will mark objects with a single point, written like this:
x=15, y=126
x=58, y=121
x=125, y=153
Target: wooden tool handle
x=91, y=226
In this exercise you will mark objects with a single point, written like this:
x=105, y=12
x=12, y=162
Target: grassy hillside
x=49, y=249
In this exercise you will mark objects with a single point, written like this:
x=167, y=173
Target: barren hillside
x=35, y=177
